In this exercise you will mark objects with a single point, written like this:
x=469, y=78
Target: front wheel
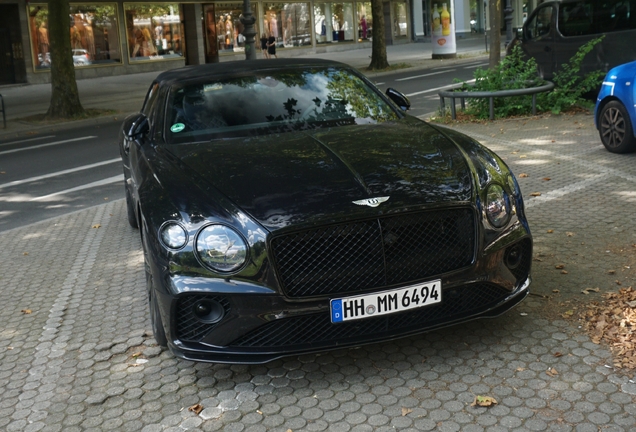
x=615, y=128
x=130, y=209
x=153, y=304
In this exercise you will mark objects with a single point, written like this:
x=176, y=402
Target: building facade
x=118, y=37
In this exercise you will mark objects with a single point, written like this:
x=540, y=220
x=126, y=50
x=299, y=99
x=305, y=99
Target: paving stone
x=71, y=367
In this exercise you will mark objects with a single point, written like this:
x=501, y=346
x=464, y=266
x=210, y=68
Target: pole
x=248, y=21
x=508, y=19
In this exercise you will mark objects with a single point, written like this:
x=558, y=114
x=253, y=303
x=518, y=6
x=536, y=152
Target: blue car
x=615, y=111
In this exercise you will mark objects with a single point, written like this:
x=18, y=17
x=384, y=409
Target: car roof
x=232, y=68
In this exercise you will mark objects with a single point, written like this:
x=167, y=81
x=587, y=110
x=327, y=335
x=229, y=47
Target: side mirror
x=135, y=126
x=400, y=99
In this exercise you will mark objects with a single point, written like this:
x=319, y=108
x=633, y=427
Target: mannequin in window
x=220, y=28
x=76, y=38
x=229, y=33
x=43, y=40
x=363, y=27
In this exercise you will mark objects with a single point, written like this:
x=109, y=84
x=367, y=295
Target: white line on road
x=27, y=140
x=46, y=145
x=425, y=75
x=103, y=182
x=475, y=66
x=438, y=88
x=379, y=84
x=59, y=173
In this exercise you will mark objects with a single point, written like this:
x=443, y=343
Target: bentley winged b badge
x=372, y=202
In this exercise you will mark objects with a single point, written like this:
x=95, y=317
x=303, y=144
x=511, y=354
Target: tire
x=130, y=210
x=158, y=330
x=155, y=319
x=615, y=128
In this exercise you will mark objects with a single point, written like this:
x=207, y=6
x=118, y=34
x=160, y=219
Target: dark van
x=555, y=30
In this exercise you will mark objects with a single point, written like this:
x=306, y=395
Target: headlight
x=512, y=184
x=497, y=206
x=221, y=248
x=173, y=235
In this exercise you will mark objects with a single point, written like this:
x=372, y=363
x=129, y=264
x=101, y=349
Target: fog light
x=513, y=256
x=208, y=311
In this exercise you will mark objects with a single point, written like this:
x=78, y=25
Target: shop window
x=154, y=31
x=93, y=31
x=224, y=27
x=333, y=22
x=365, y=20
x=287, y=23
x=400, y=29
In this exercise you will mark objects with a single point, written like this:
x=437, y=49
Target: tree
x=65, y=103
x=378, y=45
x=494, y=9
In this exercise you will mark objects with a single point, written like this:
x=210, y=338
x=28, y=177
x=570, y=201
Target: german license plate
x=386, y=302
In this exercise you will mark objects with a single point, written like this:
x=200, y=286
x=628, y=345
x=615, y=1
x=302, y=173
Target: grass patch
x=392, y=67
x=89, y=113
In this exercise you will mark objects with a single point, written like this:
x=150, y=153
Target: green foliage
x=513, y=72
x=510, y=74
x=569, y=86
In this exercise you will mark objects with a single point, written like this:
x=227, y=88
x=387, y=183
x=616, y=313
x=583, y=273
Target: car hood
x=315, y=176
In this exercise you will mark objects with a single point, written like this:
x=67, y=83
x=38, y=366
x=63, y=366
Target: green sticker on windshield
x=177, y=127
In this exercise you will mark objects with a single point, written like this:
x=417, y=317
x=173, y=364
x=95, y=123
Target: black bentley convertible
x=288, y=206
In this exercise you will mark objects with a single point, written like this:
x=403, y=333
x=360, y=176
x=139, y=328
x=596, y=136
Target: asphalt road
x=48, y=175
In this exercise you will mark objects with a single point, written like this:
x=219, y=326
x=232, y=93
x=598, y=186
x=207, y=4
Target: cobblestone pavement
x=84, y=357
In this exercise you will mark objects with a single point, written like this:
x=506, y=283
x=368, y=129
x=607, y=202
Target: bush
x=513, y=72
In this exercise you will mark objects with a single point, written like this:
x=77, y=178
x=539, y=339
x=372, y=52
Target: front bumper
x=258, y=327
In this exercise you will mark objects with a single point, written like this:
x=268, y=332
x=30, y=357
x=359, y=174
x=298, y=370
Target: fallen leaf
x=406, y=411
x=26, y=254
x=520, y=369
x=564, y=272
x=259, y=412
x=523, y=156
x=556, y=291
x=524, y=175
x=484, y=401
x=546, y=178
x=552, y=372
x=550, y=231
x=558, y=354
x=105, y=199
x=137, y=354
x=196, y=409
x=568, y=313
x=26, y=311
x=535, y=194
x=3, y=172
x=611, y=271
x=586, y=291
x=552, y=140
x=96, y=226
x=559, y=266
x=569, y=234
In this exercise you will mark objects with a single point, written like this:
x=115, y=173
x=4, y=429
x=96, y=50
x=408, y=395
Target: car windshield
x=272, y=102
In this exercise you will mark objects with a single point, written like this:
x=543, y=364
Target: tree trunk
x=494, y=9
x=378, y=45
x=65, y=102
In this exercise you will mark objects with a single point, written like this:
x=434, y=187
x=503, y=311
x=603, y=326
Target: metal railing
x=463, y=95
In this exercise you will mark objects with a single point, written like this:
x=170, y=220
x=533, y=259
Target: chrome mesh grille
x=363, y=255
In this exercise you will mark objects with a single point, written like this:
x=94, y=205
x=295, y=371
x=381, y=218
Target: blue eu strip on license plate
x=386, y=302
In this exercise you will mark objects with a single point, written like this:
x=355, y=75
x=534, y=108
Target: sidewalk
x=125, y=93
x=76, y=351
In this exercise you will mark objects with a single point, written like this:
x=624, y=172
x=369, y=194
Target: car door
x=538, y=38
